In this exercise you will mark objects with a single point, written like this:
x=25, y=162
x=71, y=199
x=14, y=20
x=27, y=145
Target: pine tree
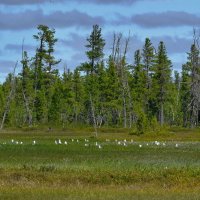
x=68, y=97
x=162, y=80
x=79, y=95
x=185, y=93
x=95, y=47
x=195, y=85
x=45, y=75
x=148, y=55
x=138, y=79
x=176, y=100
x=112, y=93
x=54, y=112
x=44, y=58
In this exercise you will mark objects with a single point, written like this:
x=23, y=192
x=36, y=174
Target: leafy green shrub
x=141, y=125
x=154, y=125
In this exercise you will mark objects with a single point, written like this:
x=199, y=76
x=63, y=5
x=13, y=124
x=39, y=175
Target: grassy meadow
x=73, y=164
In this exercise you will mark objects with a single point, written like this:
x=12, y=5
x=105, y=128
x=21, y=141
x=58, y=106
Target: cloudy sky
x=171, y=21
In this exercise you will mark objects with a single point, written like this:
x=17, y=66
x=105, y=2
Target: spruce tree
x=112, y=94
x=138, y=79
x=148, y=55
x=185, y=93
x=162, y=80
x=45, y=75
x=79, y=95
x=95, y=47
x=195, y=85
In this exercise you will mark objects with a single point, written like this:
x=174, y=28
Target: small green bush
x=142, y=123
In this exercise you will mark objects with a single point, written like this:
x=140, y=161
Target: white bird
x=72, y=140
x=21, y=142
x=119, y=143
x=96, y=144
x=66, y=142
x=34, y=142
x=177, y=145
x=12, y=141
x=86, y=145
x=100, y=147
x=157, y=143
x=16, y=142
x=56, y=142
x=59, y=141
x=140, y=145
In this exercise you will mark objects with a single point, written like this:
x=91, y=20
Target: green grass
x=74, y=171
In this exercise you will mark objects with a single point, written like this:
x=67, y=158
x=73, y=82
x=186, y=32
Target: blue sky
x=171, y=21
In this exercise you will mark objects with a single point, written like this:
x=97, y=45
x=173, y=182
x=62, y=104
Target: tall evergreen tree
x=112, y=94
x=185, y=93
x=195, y=85
x=95, y=47
x=138, y=79
x=148, y=55
x=44, y=74
x=162, y=80
x=79, y=96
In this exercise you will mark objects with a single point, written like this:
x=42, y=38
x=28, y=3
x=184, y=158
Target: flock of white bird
x=86, y=142
x=98, y=144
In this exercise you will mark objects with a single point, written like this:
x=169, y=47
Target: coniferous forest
x=142, y=95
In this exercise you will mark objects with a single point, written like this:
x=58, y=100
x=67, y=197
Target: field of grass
x=115, y=165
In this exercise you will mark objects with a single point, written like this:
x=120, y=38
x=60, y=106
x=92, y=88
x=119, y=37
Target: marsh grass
x=74, y=171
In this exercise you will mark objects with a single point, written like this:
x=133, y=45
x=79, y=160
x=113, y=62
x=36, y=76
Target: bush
x=154, y=124
x=141, y=123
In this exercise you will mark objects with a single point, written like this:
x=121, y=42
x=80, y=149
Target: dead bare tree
x=119, y=59
x=28, y=111
x=25, y=98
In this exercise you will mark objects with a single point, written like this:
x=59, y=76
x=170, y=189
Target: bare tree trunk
x=125, y=85
x=119, y=59
x=124, y=108
x=9, y=98
x=130, y=107
x=26, y=102
x=27, y=109
x=161, y=114
x=93, y=116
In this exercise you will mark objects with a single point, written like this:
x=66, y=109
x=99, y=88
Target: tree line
x=141, y=95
